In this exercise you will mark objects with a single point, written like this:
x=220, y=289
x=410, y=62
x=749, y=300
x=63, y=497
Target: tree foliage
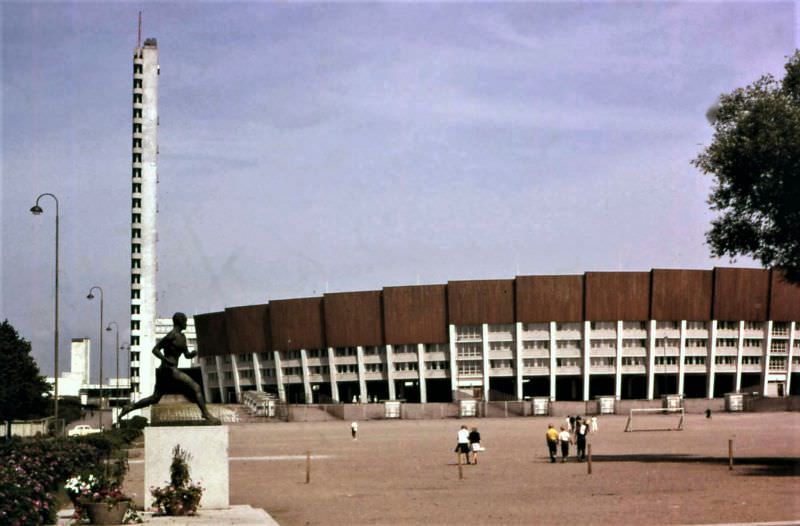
x=755, y=161
x=22, y=390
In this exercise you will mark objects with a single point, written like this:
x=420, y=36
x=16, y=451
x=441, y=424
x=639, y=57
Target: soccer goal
x=656, y=419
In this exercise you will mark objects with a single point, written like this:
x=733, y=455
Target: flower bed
x=31, y=471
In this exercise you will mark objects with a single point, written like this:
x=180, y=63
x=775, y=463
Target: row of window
x=475, y=367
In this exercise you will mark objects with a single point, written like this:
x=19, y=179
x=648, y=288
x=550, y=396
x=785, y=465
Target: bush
x=31, y=471
x=136, y=422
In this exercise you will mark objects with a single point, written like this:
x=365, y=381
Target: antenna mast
x=139, y=35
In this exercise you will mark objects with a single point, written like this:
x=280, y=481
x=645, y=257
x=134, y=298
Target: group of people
x=574, y=431
x=469, y=443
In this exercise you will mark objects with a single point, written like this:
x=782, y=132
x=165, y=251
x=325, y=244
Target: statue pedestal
x=208, y=465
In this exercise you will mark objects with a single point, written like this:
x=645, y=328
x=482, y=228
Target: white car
x=82, y=430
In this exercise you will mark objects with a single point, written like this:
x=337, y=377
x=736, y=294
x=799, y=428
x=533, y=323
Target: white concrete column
x=765, y=353
x=453, y=363
x=423, y=389
x=204, y=370
x=681, y=357
x=587, y=354
x=618, y=363
x=257, y=372
x=518, y=364
x=739, y=351
x=485, y=353
x=390, y=371
x=332, y=374
x=790, y=356
x=553, y=354
x=711, y=368
x=362, y=375
x=237, y=386
x=306, y=379
x=220, y=379
x=279, y=376
x=651, y=359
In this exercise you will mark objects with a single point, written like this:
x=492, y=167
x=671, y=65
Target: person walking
x=552, y=442
x=462, y=448
x=582, y=429
x=474, y=444
x=564, y=438
x=354, y=430
x=594, y=424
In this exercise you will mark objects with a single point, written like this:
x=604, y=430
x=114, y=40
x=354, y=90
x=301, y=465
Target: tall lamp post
x=116, y=335
x=36, y=210
x=91, y=296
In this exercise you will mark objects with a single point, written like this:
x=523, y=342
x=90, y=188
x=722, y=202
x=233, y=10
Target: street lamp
x=36, y=210
x=91, y=296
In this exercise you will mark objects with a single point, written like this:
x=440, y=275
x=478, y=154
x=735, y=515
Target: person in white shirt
x=354, y=430
x=594, y=424
x=462, y=448
x=564, y=438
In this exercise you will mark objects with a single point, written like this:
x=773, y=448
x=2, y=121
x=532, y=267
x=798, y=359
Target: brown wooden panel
x=614, y=296
x=212, y=338
x=297, y=324
x=741, y=294
x=248, y=329
x=784, y=304
x=681, y=295
x=354, y=318
x=549, y=298
x=416, y=314
x=480, y=301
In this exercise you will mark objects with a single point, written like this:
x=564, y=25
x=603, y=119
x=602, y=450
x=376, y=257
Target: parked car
x=82, y=430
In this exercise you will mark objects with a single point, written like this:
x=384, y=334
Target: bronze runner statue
x=169, y=349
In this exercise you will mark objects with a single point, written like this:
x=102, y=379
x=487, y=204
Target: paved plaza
x=405, y=472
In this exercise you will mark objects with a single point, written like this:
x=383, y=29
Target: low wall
x=759, y=404
x=311, y=413
x=428, y=411
x=26, y=428
x=511, y=409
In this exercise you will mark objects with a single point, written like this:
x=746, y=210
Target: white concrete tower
x=143, y=216
x=80, y=358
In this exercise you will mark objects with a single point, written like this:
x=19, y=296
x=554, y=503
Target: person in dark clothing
x=474, y=444
x=581, y=430
x=571, y=424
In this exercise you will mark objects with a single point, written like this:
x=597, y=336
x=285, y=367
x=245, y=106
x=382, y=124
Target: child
x=354, y=430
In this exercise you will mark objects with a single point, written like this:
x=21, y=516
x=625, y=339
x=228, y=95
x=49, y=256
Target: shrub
x=180, y=497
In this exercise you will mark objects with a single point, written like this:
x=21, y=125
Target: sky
x=326, y=147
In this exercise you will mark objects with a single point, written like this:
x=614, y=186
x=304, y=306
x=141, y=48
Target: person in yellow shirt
x=552, y=441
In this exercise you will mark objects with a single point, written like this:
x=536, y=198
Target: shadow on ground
x=750, y=466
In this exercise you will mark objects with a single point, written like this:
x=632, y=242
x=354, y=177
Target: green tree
x=23, y=392
x=755, y=161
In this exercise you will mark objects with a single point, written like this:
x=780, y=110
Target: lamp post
x=91, y=296
x=116, y=335
x=36, y=210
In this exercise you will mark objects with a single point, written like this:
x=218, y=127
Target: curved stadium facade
x=632, y=335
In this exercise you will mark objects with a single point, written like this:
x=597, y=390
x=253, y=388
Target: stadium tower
x=143, y=215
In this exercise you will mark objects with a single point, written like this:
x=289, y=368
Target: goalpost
x=656, y=419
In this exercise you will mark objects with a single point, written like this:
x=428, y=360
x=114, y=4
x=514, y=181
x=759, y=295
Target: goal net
x=656, y=419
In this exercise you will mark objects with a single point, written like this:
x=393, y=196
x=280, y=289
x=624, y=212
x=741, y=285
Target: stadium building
x=631, y=335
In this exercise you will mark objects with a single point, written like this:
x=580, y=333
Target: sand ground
x=405, y=472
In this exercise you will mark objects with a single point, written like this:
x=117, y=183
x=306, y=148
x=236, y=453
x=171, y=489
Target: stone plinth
x=208, y=465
